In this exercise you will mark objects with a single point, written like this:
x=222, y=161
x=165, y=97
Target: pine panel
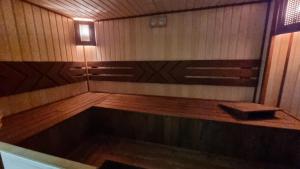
x=223, y=33
x=30, y=33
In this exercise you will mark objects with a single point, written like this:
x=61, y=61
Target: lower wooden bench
x=26, y=124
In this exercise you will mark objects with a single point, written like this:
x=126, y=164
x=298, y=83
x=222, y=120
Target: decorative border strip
x=207, y=72
x=19, y=77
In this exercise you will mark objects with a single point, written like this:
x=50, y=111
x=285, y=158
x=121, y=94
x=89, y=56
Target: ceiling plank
x=111, y=9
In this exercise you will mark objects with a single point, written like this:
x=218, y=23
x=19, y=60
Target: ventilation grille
x=292, y=15
x=288, y=19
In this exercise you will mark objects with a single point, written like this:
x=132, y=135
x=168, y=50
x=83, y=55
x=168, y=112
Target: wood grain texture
x=20, y=77
x=21, y=126
x=178, y=122
x=215, y=34
x=95, y=151
x=207, y=72
x=29, y=33
x=291, y=93
x=275, y=67
x=190, y=108
x=33, y=34
x=116, y=9
x=88, y=144
x=289, y=97
x=173, y=107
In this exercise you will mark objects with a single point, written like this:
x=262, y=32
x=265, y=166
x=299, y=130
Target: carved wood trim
x=207, y=72
x=19, y=77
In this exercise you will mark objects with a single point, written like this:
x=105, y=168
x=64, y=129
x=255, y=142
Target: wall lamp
x=84, y=32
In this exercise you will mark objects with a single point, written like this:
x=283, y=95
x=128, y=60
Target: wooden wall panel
x=30, y=33
x=291, y=89
x=278, y=55
x=223, y=33
x=282, y=88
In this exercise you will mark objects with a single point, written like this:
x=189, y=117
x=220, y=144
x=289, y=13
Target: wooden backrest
x=19, y=77
x=207, y=72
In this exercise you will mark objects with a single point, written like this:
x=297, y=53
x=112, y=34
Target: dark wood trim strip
x=263, y=45
x=208, y=72
x=20, y=77
x=267, y=63
x=286, y=65
x=187, y=10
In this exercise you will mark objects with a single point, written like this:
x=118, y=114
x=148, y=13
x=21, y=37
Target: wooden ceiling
x=107, y=9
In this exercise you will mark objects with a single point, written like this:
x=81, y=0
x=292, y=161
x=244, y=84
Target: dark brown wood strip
x=222, y=72
x=112, y=71
x=221, y=82
x=207, y=72
x=19, y=77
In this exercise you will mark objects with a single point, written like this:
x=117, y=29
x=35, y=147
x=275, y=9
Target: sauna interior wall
x=30, y=33
x=234, y=32
x=285, y=51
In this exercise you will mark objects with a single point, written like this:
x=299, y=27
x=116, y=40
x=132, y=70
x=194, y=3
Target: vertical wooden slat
x=100, y=41
x=55, y=36
x=11, y=30
x=48, y=35
x=235, y=24
x=211, y=33
x=290, y=92
x=22, y=30
x=4, y=44
x=40, y=33
x=67, y=38
x=61, y=37
x=35, y=50
x=127, y=39
x=72, y=40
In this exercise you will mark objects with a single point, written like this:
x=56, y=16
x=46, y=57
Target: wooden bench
x=191, y=108
x=24, y=125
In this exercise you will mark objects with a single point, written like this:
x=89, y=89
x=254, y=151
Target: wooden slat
x=222, y=72
x=116, y=9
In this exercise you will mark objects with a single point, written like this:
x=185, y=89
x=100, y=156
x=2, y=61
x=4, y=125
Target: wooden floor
x=97, y=150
